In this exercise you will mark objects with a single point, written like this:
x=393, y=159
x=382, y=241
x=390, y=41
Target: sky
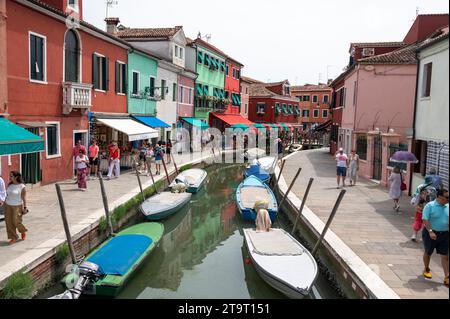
x=302, y=41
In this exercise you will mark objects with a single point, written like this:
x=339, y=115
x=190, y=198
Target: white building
x=431, y=142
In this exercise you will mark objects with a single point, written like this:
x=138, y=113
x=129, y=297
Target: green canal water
x=202, y=254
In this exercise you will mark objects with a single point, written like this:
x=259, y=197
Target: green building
x=210, y=84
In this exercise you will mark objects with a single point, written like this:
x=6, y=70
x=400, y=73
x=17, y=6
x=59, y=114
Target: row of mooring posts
x=305, y=197
x=62, y=206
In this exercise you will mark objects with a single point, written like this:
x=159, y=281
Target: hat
x=341, y=149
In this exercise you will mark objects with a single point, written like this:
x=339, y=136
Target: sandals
x=427, y=274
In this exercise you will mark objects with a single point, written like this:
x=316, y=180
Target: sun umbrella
x=404, y=157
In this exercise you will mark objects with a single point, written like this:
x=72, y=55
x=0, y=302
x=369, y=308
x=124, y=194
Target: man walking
x=435, y=233
x=342, y=165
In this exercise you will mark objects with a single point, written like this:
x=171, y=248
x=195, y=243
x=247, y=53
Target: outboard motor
x=89, y=273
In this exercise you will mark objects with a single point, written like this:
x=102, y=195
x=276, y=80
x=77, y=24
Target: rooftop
x=148, y=33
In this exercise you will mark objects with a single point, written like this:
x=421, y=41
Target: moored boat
x=193, y=178
x=253, y=190
x=257, y=171
x=266, y=163
x=112, y=265
x=163, y=205
x=282, y=261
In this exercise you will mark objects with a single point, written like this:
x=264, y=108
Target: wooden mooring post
x=105, y=204
x=66, y=224
x=290, y=188
x=330, y=220
x=165, y=169
x=283, y=162
x=300, y=211
x=174, y=163
x=140, y=184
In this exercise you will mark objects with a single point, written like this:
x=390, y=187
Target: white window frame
x=176, y=50
x=30, y=33
x=121, y=63
x=323, y=112
x=328, y=98
x=181, y=94
x=58, y=155
x=138, y=82
x=100, y=71
x=154, y=82
x=181, y=53
x=314, y=112
x=191, y=91
x=76, y=8
x=317, y=98
x=424, y=81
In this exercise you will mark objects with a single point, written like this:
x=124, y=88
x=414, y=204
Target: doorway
x=31, y=164
x=377, y=157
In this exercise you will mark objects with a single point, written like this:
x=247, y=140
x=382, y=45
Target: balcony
x=77, y=96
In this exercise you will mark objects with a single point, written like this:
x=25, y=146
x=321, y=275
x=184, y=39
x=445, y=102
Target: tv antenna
x=110, y=4
x=207, y=37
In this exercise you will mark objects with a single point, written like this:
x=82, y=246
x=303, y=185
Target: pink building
x=186, y=83
x=245, y=97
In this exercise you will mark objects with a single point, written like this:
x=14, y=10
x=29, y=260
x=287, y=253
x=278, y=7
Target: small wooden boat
x=163, y=205
x=193, y=178
x=116, y=260
x=282, y=261
x=251, y=190
x=266, y=163
x=257, y=171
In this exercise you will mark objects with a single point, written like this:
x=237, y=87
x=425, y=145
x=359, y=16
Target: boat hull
x=153, y=212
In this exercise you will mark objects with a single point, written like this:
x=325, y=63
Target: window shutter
x=33, y=57
x=94, y=71
x=125, y=78
x=117, y=77
x=106, y=71
x=40, y=58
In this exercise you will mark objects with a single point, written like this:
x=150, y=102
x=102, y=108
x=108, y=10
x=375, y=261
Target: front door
x=31, y=164
x=83, y=137
x=377, y=157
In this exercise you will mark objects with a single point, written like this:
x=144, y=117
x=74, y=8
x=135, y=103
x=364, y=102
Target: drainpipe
x=3, y=60
x=415, y=117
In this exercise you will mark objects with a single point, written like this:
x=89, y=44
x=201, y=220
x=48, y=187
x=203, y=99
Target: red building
x=314, y=104
x=233, y=86
x=61, y=71
x=273, y=103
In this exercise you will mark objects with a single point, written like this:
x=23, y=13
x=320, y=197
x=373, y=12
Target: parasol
x=404, y=157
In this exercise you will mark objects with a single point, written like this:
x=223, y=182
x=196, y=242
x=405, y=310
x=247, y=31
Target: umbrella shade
x=404, y=157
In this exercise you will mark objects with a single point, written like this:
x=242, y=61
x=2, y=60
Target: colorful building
x=431, y=141
x=314, y=104
x=245, y=97
x=233, y=86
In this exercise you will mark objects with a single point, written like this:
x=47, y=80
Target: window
x=71, y=57
x=190, y=96
x=325, y=114
x=121, y=77
x=181, y=53
x=174, y=92
x=246, y=108
x=200, y=57
x=261, y=108
x=420, y=149
x=316, y=114
x=163, y=89
x=38, y=57
x=100, y=72
x=228, y=70
x=176, y=51
x=180, y=94
x=207, y=60
x=305, y=113
x=426, y=80
x=73, y=4
x=315, y=99
x=135, y=89
x=355, y=92
x=326, y=98
x=152, y=87
x=287, y=90
x=306, y=98
x=342, y=97
x=300, y=98
x=53, y=140
x=361, y=146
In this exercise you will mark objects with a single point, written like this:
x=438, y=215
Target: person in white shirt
x=2, y=195
x=342, y=165
x=16, y=207
x=82, y=162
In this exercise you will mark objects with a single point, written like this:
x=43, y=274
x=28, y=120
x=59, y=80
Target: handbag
x=403, y=186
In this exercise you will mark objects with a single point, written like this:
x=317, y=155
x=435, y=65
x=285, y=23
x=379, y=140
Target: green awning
x=223, y=66
x=277, y=109
x=285, y=111
x=214, y=63
x=16, y=140
x=233, y=98
x=297, y=111
x=199, y=90
x=238, y=99
x=222, y=94
x=259, y=126
x=291, y=110
x=196, y=122
x=286, y=128
x=239, y=126
x=201, y=57
x=207, y=59
x=205, y=90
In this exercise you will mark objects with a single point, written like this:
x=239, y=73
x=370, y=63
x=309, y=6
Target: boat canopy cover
x=16, y=140
x=119, y=254
x=276, y=242
x=256, y=170
x=135, y=130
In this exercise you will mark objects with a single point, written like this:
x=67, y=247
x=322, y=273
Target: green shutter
x=205, y=90
x=106, y=73
x=117, y=77
x=125, y=79
x=200, y=57
x=33, y=57
x=94, y=71
x=199, y=90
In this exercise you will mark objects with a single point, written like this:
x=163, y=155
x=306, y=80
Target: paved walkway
x=44, y=220
x=367, y=224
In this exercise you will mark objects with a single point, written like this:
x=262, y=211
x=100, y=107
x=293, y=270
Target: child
x=417, y=226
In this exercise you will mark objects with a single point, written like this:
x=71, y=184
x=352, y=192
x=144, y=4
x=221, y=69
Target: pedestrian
x=418, y=222
x=435, y=179
x=2, y=196
x=82, y=162
x=395, y=191
x=159, y=154
x=280, y=148
x=342, y=165
x=75, y=151
x=93, y=158
x=149, y=158
x=424, y=191
x=114, y=161
x=435, y=233
x=168, y=151
x=142, y=158
x=15, y=207
x=353, y=167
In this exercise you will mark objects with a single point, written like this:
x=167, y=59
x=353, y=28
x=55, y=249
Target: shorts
x=142, y=157
x=158, y=162
x=342, y=171
x=93, y=161
x=440, y=244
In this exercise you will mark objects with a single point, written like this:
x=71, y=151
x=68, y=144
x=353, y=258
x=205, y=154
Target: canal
x=202, y=254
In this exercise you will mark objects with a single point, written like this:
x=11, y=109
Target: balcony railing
x=77, y=96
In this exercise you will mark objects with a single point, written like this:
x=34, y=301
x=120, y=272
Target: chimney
x=111, y=25
x=329, y=82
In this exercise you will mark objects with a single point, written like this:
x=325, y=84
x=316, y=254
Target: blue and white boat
x=193, y=178
x=257, y=171
x=163, y=205
x=251, y=190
